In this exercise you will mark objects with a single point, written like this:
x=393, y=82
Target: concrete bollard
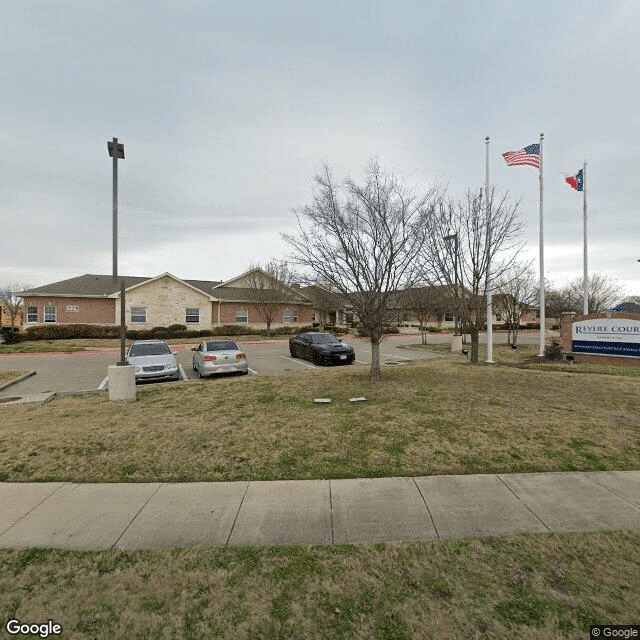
x=122, y=383
x=456, y=344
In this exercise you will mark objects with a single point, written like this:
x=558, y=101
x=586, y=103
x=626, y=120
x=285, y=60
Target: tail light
x=209, y=358
x=241, y=356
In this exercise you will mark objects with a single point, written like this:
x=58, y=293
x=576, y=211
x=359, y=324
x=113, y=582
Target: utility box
x=122, y=383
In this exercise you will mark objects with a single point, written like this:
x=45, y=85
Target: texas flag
x=576, y=182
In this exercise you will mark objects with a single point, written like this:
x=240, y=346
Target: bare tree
x=465, y=275
x=10, y=300
x=364, y=240
x=268, y=289
x=325, y=301
x=603, y=292
x=555, y=300
x=426, y=303
x=516, y=291
x=630, y=303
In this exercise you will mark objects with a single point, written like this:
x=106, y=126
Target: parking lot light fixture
x=116, y=151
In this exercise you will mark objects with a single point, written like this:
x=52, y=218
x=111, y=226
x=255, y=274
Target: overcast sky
x=228, y=109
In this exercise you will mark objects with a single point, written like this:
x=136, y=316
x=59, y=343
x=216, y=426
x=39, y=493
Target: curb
x=10, y=383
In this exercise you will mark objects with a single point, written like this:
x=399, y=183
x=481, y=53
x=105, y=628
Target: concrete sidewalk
x=157, y=515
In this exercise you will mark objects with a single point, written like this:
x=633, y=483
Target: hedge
x=69, y=331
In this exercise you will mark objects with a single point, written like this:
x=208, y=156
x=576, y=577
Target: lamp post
x=116, y=151
x=454, y=237
x=122, y=380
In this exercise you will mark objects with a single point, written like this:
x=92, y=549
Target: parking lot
x=87, y=370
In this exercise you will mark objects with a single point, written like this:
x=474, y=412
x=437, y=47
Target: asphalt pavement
x=87, y=370
x=304, y=512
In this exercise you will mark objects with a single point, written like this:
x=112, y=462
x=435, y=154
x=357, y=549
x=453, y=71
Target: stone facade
x=165, y=301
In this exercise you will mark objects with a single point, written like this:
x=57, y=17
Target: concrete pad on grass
x=194, y=514
x=624, y=483
x=478, y=505
x=571, y=501
x=86, y=516
x=379, y=510
x=284, y=512
x=17, y=499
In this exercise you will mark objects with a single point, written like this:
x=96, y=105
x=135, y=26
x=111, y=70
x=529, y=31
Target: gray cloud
x=227, y=110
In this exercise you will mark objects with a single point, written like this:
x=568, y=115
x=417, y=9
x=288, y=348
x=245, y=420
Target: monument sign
x=606, y=336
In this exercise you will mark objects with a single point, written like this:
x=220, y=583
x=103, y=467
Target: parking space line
x=183, y=375
x=103, y=384
x=298, y=362
x=255, y=373
x=388, y=355
x=361, y=362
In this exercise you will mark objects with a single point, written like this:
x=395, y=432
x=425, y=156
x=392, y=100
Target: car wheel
x=317, y=359
x=244, y=373
x=292, y=352
x=193, y=365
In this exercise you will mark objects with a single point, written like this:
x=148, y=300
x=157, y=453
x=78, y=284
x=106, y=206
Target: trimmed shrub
x=69, y=331
x=175, y=328
x=11, y=337
x=235, y=330
x=553, y=351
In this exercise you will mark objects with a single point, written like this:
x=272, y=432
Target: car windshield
x=324, y=338
x=222, y=345
x=151, y=349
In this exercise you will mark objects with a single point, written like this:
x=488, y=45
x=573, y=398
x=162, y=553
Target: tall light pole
x=116, y=151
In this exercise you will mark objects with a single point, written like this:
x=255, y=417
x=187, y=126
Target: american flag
x=529, y=155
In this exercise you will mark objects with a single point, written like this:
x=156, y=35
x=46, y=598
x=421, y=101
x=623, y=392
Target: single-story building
x=164, y=300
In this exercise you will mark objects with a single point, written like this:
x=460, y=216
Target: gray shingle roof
x=90, y=285
x=98, y=286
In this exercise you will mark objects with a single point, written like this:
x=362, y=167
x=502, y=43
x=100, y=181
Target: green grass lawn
x=529, y=587
x=434, y=417
x=441, y=416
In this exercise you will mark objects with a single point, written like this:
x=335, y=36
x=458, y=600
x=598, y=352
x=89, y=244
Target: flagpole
x=542, y=314
x=585, y=279
x=489, y=287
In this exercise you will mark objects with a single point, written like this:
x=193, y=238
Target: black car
x=322, y=348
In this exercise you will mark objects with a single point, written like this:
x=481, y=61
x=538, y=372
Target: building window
x=449, y=317
x=50, y=314
x=290, y=316
x=192, y=316
x=32, y=314
x=242, y=316
x=498, y=317
x=138, y=315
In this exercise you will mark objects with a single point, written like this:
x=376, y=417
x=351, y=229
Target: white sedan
x=219, y=356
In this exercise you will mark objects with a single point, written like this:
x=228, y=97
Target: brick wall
x=569, y=318
x=166, y=301
x=227, y=314
x=89, y=310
